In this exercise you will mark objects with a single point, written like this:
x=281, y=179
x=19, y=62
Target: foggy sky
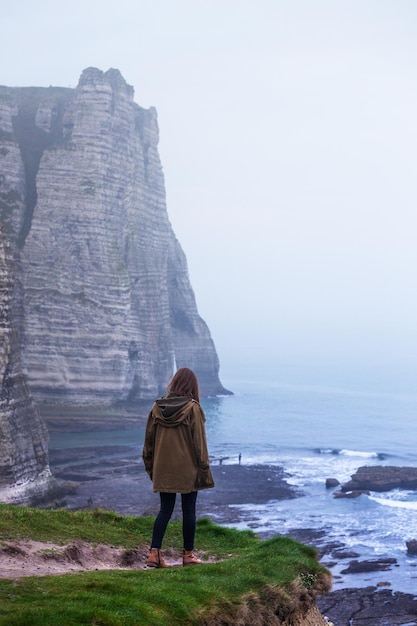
x=288, y=139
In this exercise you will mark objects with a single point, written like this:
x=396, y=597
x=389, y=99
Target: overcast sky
x=288, y=138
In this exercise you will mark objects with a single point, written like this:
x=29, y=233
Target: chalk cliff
x=24, y=470
x=103, y=305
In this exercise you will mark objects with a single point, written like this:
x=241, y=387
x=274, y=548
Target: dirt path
x=35, y=558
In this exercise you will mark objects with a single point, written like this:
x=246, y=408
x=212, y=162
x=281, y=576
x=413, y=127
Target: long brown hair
x=185, y=383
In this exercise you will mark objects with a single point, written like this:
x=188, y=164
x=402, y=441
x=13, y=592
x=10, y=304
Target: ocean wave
x=352, y=453
x=364, y=455
x=399, y=504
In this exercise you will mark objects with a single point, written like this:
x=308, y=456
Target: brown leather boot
x=155, y=559
x=188, y=558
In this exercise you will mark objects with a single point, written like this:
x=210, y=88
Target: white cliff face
x=24, y=470
x=104, y=304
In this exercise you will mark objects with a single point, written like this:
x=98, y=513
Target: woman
x=176, y=459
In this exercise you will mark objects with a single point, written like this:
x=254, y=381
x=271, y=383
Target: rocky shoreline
x=113, y=477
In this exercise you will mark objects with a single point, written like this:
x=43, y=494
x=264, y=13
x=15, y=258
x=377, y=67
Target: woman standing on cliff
x=176, y=459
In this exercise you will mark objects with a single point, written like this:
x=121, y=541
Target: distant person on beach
x=176, y=458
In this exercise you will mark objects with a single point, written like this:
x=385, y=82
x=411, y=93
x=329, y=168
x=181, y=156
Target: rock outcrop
x=381, y=478
x=411, y=547
x=25, y=477
x=104, y=309
x=369, y=565
x=370, y=606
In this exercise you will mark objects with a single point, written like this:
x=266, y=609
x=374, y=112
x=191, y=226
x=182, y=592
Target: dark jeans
x=188, y=501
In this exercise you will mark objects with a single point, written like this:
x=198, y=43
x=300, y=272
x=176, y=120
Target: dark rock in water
x=368, y=606
x=411, y=546
x=344, y=554
x=351, y=494
x=263, y=483
x=382, y=478
x=332, y=482
x=356, y=567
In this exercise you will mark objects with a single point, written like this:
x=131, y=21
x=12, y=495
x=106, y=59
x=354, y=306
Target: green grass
x=100, y=526
x=185, y=596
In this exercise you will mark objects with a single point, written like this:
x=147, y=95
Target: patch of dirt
x=35, y=558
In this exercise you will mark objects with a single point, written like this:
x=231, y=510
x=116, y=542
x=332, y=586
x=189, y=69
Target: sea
x=314, y=433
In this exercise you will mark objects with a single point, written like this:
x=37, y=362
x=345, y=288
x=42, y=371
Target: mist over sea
x=316, y=433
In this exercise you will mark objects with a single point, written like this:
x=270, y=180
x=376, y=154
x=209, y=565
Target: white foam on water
x=359, y=454
x=399, y=504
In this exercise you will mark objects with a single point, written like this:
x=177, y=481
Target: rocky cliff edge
x=103, y=305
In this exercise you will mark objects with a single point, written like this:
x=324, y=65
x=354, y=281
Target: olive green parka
x=175, y=449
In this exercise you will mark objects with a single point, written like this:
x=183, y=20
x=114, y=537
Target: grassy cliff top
x=243, y=581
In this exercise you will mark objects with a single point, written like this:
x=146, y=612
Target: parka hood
x=172, y=410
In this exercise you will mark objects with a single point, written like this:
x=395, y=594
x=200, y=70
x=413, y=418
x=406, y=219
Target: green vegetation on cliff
x=248, y=576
